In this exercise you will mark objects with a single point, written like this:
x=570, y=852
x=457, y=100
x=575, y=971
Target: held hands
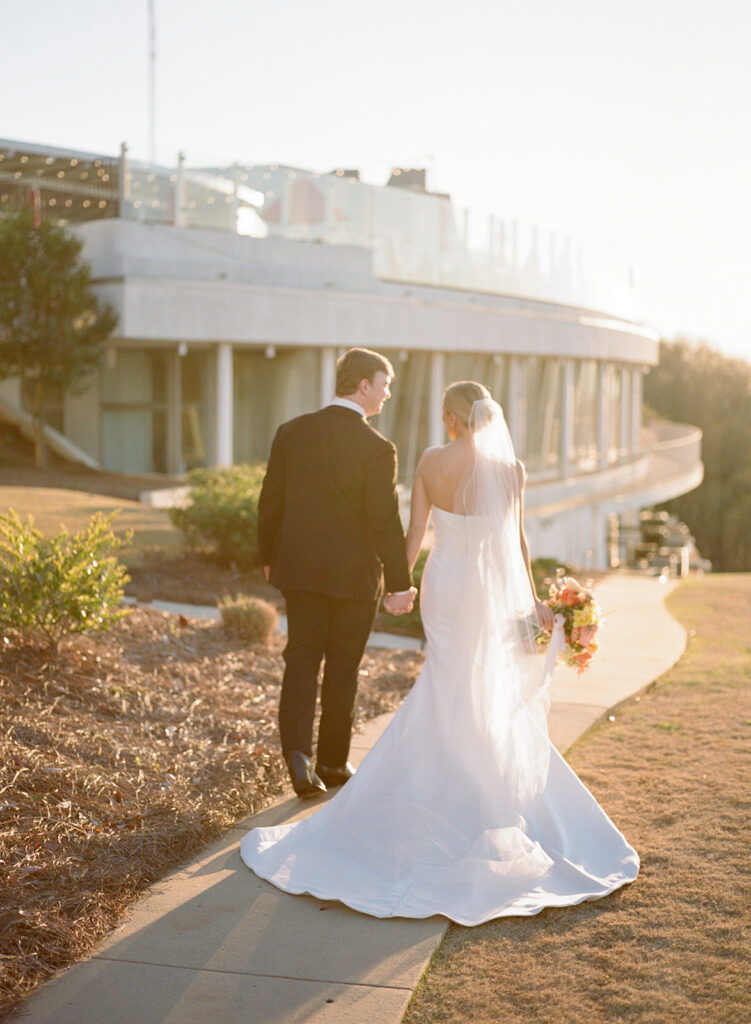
x=400, y=604
x=544, y=616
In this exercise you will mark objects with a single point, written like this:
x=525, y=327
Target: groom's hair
x=359, y=364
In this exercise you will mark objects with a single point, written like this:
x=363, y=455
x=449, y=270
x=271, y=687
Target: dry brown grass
x=675, y=946
x=53, y=508
x=119, y=758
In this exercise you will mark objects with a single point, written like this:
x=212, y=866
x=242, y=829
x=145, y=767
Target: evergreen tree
x=699, y=385
x=52, y=327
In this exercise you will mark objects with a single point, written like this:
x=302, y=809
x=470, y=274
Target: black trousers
x=321, y=627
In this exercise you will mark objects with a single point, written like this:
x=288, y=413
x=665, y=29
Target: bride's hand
x=544, y=616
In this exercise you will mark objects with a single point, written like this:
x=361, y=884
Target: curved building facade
x=222, y=335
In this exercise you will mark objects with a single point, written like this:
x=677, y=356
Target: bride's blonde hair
x=458, y=398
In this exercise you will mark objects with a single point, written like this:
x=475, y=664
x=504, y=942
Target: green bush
x=51, y=587
x=248, y=618
x=222, y=513
x=545, y=569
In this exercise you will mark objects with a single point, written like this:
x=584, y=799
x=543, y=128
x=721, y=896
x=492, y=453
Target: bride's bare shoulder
x=437, y=459
x=433, y=456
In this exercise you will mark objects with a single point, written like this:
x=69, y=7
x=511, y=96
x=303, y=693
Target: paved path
x=213, y=943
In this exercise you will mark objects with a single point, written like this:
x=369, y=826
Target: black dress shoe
x=305, y=782
x=335, y=776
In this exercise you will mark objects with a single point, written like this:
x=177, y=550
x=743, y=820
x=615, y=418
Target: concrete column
x=178, y=215
x=636, y=403
x=124, y=184
x=437, y=377
x=517, y=404
x=603, y=438
x=224, y=423
x=175, y=411
x=625, y=439
x=600, y=524
x=235, y=194
x=567, y=417
x=328, y=375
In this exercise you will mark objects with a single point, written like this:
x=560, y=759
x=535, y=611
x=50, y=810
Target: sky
x=626, y=124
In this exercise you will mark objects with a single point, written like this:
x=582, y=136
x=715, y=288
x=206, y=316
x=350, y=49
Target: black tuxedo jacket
x=328, y=516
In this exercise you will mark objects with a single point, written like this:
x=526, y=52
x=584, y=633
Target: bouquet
x=581, y=619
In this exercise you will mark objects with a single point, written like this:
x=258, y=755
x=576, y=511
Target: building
x=237, y=287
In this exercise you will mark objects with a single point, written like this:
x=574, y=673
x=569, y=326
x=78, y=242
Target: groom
x=328, y=531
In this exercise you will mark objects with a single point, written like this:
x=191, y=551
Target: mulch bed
x=123, y=755
x=195, y=577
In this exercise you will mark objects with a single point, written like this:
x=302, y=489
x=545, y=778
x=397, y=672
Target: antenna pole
x=152, y=82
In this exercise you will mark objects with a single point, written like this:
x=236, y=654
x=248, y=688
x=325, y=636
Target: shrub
x=51, y=587
x=544, y=570
x=248, y=618
x=222, y=511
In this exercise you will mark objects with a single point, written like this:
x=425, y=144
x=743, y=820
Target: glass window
x=404, y=419
x=134, y=398
x=584, y=439
x=544, y=406
x=612, y=379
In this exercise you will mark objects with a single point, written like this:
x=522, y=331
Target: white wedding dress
x=463, y=807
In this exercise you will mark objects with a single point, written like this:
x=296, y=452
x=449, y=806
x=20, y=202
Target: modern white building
x=236, y=289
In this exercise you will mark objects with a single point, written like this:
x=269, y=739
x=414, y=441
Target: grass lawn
x=52, y=507
x=672, y=771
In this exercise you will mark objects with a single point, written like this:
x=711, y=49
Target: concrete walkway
x=213, y=943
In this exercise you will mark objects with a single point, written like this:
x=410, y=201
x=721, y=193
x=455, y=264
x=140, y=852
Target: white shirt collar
x=346, y=404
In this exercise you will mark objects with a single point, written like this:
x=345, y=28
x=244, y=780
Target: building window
x=135, y=393
x=544, y=407
x=584, y=437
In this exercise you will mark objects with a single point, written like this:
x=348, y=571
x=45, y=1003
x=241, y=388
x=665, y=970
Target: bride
x=463, y=807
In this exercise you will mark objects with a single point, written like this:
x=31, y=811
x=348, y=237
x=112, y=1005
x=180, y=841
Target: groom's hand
x=267, y=571
x=400, y=604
